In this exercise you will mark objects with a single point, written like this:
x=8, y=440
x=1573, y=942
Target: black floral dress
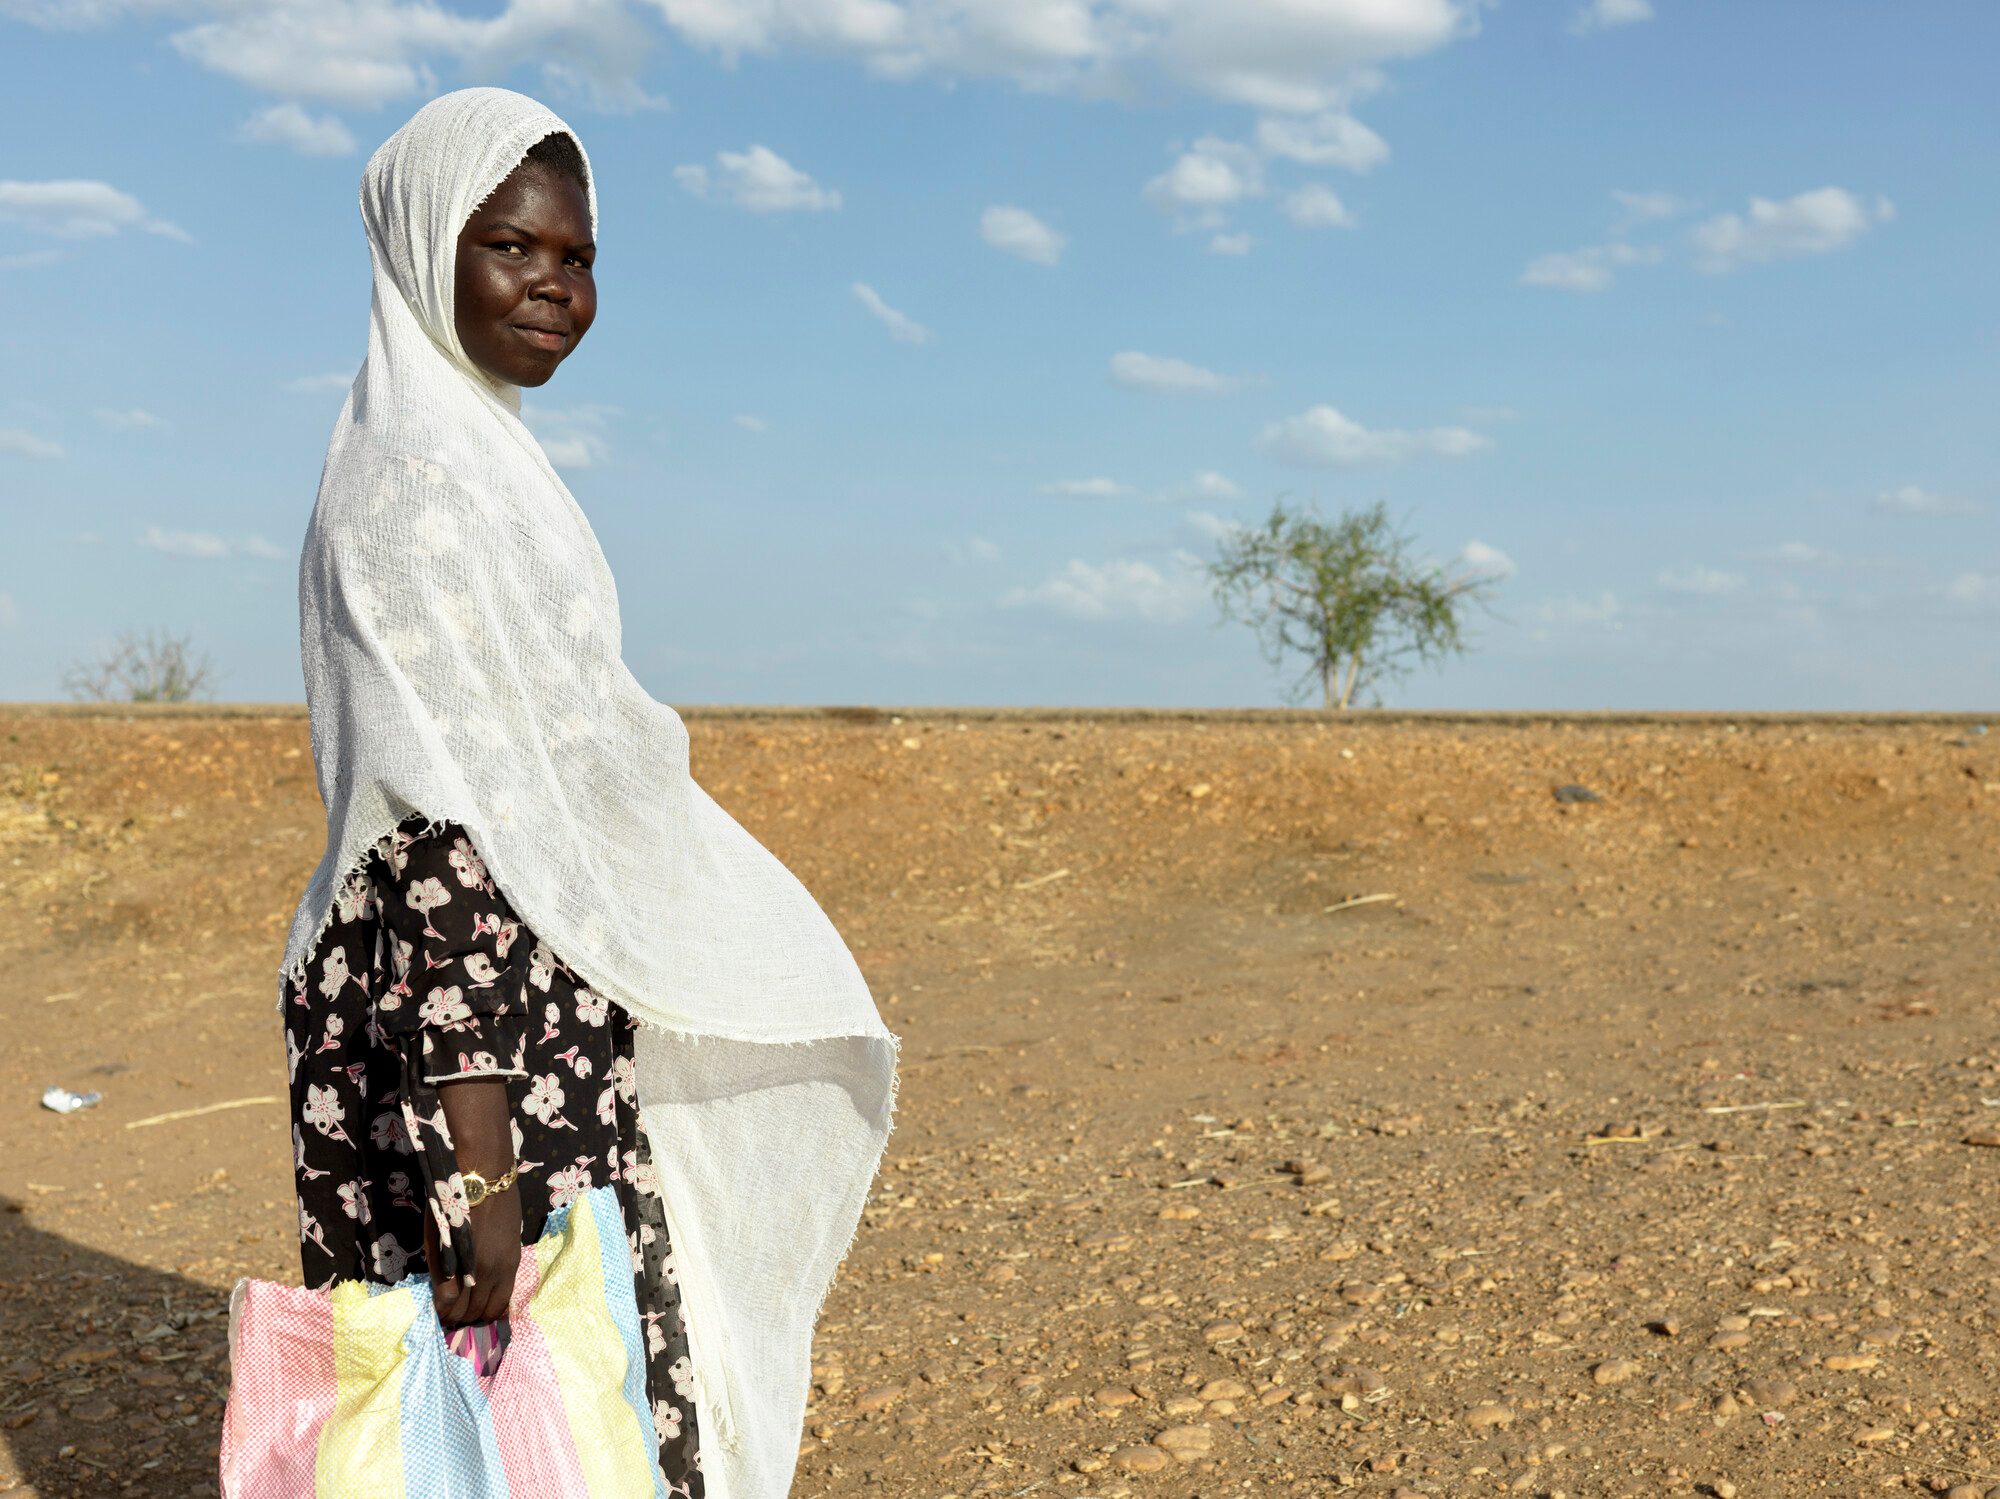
x=425, y=975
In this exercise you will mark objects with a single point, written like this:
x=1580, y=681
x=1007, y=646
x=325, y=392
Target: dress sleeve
x=453, y=1003
x=457, y=959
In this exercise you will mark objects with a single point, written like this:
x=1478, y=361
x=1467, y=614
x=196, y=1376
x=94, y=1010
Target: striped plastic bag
x=352, y=1392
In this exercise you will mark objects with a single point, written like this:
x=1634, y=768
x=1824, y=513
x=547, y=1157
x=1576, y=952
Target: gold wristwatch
x=478, y=1188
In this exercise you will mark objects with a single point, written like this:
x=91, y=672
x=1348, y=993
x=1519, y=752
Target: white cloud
x=1212, y=175
x=1282, y=56
x=1332, y=139
x=1317, y=206
x=1587, y=270
x=289, y=125
x=1206, y=485
x=1811, y=223
x=1796, y=554
x=1600, y=612
x=74, y=208
x=759, y=180
x=1648, y=208
x=126, y=420
x=978, y=549
x=312, y=385
x=29, y=259
x=1123, y=588
x=1602, y=15
x=1973, y=588
x=1018, y=232
x=1090, y=489
x=751, y=423
x=1701, y=580
x=571, y=436
x=1229, y=244
x=206, y=546
x=1212, y=526
x=1486, y=561
x=16, y=443
x=1322, y=437
x=1908, y=499
x=202, y=544
x=1164, y=376
x=905, y=330
x=365, y=53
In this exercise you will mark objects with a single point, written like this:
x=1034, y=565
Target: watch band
x=478, y=1188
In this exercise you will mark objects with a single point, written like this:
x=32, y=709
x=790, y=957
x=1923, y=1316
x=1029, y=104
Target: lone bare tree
x=148, y=668
x=1344, y=596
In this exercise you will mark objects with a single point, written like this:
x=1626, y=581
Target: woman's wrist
x=476, y=1114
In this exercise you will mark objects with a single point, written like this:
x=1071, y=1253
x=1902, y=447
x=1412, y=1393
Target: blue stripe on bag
x=614, y=1252
x=449, y=1451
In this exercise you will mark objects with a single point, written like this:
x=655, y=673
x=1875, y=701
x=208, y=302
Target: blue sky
x=939, y=341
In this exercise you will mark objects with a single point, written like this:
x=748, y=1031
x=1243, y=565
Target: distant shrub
x=148, y=668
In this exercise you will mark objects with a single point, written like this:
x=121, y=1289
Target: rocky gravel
x=1290, y=1106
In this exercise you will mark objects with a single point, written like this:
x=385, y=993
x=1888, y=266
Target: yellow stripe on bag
x=616, y=1456
x=361, y=1447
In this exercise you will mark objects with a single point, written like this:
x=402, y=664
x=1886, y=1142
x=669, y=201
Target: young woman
x=536, y=957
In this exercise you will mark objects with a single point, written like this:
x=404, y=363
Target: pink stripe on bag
x=529, y=1421
x=282, y=1389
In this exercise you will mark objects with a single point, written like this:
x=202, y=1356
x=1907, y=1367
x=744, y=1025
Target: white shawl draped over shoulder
x=460, y=634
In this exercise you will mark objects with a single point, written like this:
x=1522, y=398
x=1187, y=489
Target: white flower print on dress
x=426, y=895
x=388, y=1258
x=355, y=900
x=643, y=1175
x=568, y=1184
x=470, y=868
x=330, y=1038
x=625, y=1079
x=324, y=1111
x=681, y=1372
x=388, y=1132
x=395, y=850
x=480, y=970
x=666, y=1420
x=333, y=973
x=307, y=1173
x=592, y=1008
x=607, y=1106
x=310, y=1231
x=445, y=1006
x=354, y=1201
x=293, y=1054
x=400, y=954
x=449, y=1202
x=541, y=967
x=545, y=1101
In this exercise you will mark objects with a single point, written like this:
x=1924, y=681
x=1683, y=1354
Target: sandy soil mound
x=1289, y=1106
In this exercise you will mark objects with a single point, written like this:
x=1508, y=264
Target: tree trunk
x=1327, y=671
x=1353, y=671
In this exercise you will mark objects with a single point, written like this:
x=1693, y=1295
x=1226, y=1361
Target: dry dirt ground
x=1627, y=1147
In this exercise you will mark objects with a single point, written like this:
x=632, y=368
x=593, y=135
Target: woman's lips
x=542, y=338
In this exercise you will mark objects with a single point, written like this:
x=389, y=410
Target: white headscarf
x=460, y=635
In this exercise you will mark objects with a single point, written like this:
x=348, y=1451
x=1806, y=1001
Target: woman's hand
x=476, y=1113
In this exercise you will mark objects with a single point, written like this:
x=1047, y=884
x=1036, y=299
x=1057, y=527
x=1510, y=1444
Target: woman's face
x=524, y=296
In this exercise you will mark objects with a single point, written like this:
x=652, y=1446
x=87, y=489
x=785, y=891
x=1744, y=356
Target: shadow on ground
x=115, y=1373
